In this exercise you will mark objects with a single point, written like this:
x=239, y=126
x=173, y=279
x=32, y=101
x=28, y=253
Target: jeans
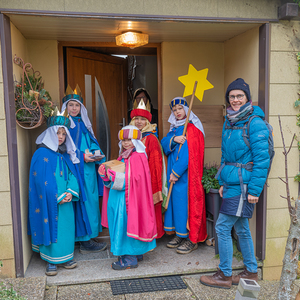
x=223, y=230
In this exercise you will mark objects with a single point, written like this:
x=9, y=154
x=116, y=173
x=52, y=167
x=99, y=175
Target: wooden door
x=103, y=83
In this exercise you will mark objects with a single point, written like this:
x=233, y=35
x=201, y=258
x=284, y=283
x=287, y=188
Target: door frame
x=136, y=51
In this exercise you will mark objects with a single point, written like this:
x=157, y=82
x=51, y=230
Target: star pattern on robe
x=34, y=173
x=46, y=221
x=56, y=195
x=46, y=159
x=29, y=189
x=54, y=173
x=37, y=211
x=61, y=173
x=56, y=218
x=41, y=196
x=189, y=79
x=35, y=234
x=46, y=183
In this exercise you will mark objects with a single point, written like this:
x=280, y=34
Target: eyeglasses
x=141, y=98
x=239, y=97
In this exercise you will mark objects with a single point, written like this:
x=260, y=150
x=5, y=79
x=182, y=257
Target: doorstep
x=96, y=267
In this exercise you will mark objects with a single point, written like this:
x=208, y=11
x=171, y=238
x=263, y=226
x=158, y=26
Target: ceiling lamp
x=132, y=39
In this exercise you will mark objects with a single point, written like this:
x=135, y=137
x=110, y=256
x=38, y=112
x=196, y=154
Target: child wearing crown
x=141, y=118
x=86, y=144
x=186, y=210
x=130, y=210
x=53, y=186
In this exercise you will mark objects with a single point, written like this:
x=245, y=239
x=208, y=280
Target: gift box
x=115, y=165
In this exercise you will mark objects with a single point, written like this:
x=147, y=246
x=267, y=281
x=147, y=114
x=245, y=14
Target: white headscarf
x=83, y=113
x=50, y=139
x=176, y=123
x=138, y=144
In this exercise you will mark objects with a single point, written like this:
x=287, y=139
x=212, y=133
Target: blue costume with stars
x=52, y=226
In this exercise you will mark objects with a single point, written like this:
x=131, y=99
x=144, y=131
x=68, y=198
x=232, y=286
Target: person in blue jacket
x=242, y=176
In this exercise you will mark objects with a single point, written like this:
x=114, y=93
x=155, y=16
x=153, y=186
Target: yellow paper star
x=46, y=159
x=37, y=210
x=189, y=82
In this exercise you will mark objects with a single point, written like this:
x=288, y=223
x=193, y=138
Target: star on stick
x=189, y=81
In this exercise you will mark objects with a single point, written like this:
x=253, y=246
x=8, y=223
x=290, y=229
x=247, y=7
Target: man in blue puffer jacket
x=242, y=176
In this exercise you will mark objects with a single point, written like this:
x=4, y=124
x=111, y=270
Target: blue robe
x=121, y=244
x=52, y=225
x=176, y=215
x=93, y=187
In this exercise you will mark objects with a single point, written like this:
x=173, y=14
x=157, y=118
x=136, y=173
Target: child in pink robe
x=130, y=210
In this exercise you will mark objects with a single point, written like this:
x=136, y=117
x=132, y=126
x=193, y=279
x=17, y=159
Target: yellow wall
x=214, y=8
x=176, y=58
x=6, y=230
x=284, y=86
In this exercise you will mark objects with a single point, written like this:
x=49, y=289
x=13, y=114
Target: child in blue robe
x=186, y=210
x=52, y=188
x=86, y=144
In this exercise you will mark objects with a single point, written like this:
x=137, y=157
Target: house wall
x=284, y=88
x=228, y=9
x=176, y=58
x=6, y=229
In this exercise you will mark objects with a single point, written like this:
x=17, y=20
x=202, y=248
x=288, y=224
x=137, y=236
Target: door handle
x=123, y=122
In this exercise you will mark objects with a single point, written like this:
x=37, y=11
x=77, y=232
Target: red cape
x=196, y=196
x=155, y=159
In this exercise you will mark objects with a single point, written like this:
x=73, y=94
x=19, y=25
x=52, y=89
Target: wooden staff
x=184, y=132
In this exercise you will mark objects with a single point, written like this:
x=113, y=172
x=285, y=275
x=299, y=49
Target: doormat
x=151, y=284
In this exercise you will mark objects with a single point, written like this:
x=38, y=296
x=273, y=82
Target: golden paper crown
x=73, y=95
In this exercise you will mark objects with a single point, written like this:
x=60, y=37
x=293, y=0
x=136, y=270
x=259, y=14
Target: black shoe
x=175, y=242
x=91, y=247
x=187, y=247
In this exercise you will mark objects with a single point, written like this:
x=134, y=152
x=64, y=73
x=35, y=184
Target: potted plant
x=213, y=200
x=32, y=102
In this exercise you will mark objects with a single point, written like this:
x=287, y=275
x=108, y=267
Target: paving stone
x=29, y=288
x=268, y=290
x=51, y=293
x=93, y=291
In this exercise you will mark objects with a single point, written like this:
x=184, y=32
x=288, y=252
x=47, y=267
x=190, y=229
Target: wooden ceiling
x=91, y=29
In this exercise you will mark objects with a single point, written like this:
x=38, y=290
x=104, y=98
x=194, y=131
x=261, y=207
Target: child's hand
x=180, y=139
x=68, y=198
x=111, y=175
x=87, y=158
x=102, y=173
x=173, y=178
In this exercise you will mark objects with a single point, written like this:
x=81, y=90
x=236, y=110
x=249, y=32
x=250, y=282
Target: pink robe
x=141, y=223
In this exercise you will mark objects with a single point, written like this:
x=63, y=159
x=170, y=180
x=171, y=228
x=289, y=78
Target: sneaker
x=51, y=270
x=187, y=247
x=125, y=262
x=175, y=242
x=91, y=247
x=244, y=274
x=140, y=257
x=218, y=280
x=70, y=264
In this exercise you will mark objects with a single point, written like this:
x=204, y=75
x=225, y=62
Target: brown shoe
x=246, y=275
x=218, y=280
